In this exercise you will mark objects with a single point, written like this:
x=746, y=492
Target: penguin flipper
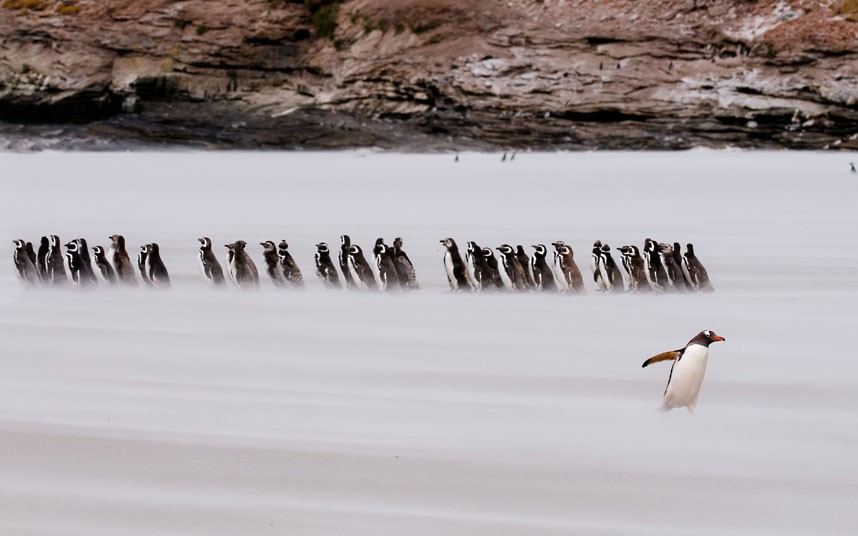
x=664, y=356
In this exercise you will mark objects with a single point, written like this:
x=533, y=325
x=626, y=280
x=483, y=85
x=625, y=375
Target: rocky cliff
x=430, y=74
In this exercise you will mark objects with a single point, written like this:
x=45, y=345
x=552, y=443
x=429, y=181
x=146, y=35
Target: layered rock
x=433, y=74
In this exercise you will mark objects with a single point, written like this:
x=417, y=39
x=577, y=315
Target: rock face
x=430, y=75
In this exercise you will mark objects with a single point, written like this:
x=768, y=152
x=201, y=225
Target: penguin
x=480, y=272
x=387, y=276
x=81, y=274
x=156, y=271
x=494, y=269
x=42, y=259
x=24, y=264
x=524, y=261
x=404, y=266
x=291, y=272
x=852, y=168
x=687, y=371
x=609, y=271
x=456, y=159
x=568, y=273
x=241, y=268
x=513, y=268
x=696, y=272
x=655, y=273
x=101, y=263
x=504, y=158
x=28, y=248
x=361, y=272
x=673, y=270
x=457, y=273
x=345, y=244
x=121, y=261
x=636, y=268
x=325, y=266
x=677, y=258
x=272, y=263
x=543, y=277
x=85, y=258
x=56, y=263
x=595, y=261
x=141, y=264
x=209, y=265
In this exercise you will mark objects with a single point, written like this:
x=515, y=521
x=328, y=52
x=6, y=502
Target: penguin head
x=449, y=243
x=18, y=243
x=354, y=250
x=564, y=250
x=380, y=247
x=397, y=243
x=706, y=337
x=55, y=242
x=240, y=245
x=606, y=248
x=345, y=241
x=519, y=250
x=665, y=248
x=284, y=245
x=487, y=253
x=649, y=244
x=98, y=251
x=205, y=241
x=268, y=246
x=559, y=244
x=472, y=247
x=321, y=247
x=506, y=249
x=44, y=242
x=118, y=240
x=689, y=249
x=540, y=249
x=72, y=246
x=145, y=248
x=154, y=247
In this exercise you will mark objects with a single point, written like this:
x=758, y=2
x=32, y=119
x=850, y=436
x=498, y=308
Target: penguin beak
x=718, y=338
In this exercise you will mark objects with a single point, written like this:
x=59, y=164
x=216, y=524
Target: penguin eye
x=708, y=333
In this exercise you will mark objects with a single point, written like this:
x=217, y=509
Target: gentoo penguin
x=674, y=270
x=42, y=259
x=388, y=278
x=360, y=270
x=457, y=272
x=209, y=265
x=595, y=261
x=492, y=263
x=543, y=277
x=156, y=271
x=697, y=274
x=121, y=261
x=524, y=261
x=656, y=275
x=325, y=266
x=404, y=267
x=345, y=244
x=272, y=263
x=291, y=272
x=610, y=272
x=568, y=272
x=24, y=264
x=480, y=272
x=513, y=268
x=635, y=267
x=686, y=373
x=101, y=263
x=56, y=262
x=241, y=268
x=81, y=273
x=141, y=264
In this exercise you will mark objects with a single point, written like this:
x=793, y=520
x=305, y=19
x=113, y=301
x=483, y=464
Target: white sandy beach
x=198, y=412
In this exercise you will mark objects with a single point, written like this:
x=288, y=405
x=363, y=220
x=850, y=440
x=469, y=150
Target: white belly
x=448, y=265
x=686, y=378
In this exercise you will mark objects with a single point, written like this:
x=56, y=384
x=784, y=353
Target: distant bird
x=635, y=268
x=388, y=278
x=687, y=371
x=504, y=158
x=404, y=266
x=456, y=159
x=524, y=261
x=141, y=264
x=481, y=273
x=103, y=265
x=457, y=272
x=345, y=244
x=272, y=263
x=291, y=272
x=56, y=262
x=27, y=271
x=121, y=261
x=852, y=167
x=513, y=268
x=543, y=277
x=567, y=271
x=697, y=274
x=156, y=271
x=209, y=265
x=492, y=263
x=609, y=271
x=240, y=267
x=360, y=271
x=325, y=268
x=511, y=158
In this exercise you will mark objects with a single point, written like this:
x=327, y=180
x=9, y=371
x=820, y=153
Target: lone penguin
x=687, y=371
x=513, y=268
x=568, y=273
x=156, y=271
x=209, y=265
x=387, y=276
x=360, y=271
x=241, y=268
x=56, y=263
x=27, y=271
x=272, y=263
x=404, y=266
x=121, y=261
x=103, y=265
x=634, y=265
x=610, y=272
x=325, y=268
x=457, y=273
x=291, y=272
x=543, y=277
x=345, y=244
x=697, y=274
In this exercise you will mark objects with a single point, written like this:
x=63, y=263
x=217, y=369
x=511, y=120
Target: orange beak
x=718, y=338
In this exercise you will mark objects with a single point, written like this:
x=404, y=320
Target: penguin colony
x=656, y=268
